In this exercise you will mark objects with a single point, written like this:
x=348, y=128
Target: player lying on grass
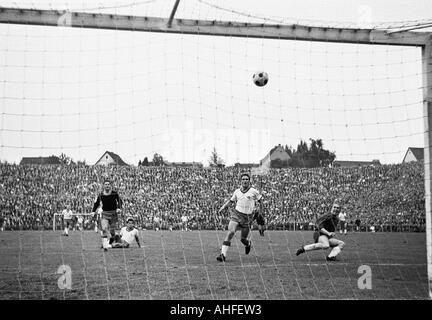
x=245, y=198
x=325, y=235
x=127, y=236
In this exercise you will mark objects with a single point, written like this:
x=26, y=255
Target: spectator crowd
x=387, y=197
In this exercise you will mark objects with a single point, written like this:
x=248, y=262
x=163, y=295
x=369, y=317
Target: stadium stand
x=388, y=197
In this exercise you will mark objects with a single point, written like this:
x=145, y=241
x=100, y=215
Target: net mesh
x=77, y=93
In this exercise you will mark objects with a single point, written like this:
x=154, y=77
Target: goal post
x=427, y=105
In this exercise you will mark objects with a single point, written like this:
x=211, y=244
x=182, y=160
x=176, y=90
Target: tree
x=145, y=162
x=139, y=163
x=322, y=157
x=158, y=160
x=289, y=150
x=215, y=160
x=311, y=156
x=64, y=159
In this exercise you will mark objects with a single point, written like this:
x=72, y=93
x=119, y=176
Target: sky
x=84, y=91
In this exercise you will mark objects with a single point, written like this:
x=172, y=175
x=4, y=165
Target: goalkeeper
x=111, y=205
x=324, y=237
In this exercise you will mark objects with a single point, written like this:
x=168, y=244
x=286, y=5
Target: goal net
x=168, y=111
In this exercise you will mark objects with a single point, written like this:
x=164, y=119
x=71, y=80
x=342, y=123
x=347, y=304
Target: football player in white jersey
x=127, y=235
x=184, y=222
x=245, y=199
x=80, y=223
x=67, y=219
x=342, y=223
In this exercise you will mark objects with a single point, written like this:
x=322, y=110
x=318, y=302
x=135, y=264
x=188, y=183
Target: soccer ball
x=260, y=78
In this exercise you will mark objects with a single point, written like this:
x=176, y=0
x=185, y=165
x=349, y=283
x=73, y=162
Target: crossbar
x=206, y=27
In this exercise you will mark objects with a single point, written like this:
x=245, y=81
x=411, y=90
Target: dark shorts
x=111, y=216
x=243, y=220
x=316, y=236
x=109, y=220
x=68, y=222
x=343, y=224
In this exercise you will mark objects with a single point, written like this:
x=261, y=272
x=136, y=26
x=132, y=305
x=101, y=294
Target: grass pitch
x=182, y=265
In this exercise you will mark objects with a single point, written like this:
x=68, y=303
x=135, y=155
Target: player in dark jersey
x=111, y=205
x=324, y=236
x=2, y=223
x=261, y=223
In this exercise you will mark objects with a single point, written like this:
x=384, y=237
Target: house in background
x=110, y=158
x=413, y=154
x=277, y=157
x=40, y=160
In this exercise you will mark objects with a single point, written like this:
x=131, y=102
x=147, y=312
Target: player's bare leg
x=105, y=233
x=337, y=246
x=244, y=239
x=112, y=235
x=112, y=229
x=66, y=229
x=321, y=244
x=232, y=228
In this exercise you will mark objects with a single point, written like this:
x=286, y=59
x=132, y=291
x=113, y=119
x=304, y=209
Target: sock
x=66, y=230
x=335, y=251
x=225, y=246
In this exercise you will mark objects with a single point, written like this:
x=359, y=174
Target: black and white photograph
x=241, y=151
